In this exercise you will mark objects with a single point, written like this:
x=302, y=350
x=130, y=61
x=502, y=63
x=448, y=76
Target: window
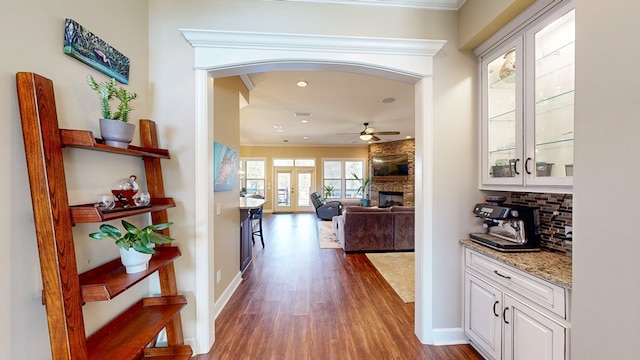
x=338, y=175
x=294, y=162
x=252, y=176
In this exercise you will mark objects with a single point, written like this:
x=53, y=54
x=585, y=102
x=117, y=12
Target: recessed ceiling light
x=388, y=100
x=305, y=137
x=408, y=137
x=302, y=83
x=277, y=126
x=279, y=130
x=304, y=121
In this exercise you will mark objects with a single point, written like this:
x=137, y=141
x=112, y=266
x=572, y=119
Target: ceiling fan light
x=366, y=137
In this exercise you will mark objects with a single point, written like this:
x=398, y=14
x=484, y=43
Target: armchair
x=325, y=210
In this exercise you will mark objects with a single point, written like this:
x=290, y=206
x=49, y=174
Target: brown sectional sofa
x=362, y=229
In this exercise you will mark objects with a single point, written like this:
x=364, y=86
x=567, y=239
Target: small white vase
x=134, y=261
x=116, y=133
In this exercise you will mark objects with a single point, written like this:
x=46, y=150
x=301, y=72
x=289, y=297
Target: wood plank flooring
x=297, y=301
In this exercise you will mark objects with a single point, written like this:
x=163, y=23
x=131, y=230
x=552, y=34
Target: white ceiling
x=339, y=102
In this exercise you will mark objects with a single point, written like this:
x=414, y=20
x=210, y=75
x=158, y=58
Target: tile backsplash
x=555, y=212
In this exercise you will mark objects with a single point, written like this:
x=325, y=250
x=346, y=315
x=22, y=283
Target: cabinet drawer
x=536, y=290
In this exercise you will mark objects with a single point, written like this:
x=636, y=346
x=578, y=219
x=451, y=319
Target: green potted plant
x=328, y=191
x=114, y=126
x=364, y=183
x=136, y=245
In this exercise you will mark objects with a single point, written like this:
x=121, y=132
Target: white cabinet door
x=527, y=98
x=482, y=317
x=549, y=114
x=529, y=335
x=502, y=115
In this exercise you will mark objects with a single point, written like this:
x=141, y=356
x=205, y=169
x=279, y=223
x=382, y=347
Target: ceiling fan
x=370, y=133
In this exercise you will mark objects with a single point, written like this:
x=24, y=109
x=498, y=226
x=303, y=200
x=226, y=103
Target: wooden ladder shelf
x=129, y=334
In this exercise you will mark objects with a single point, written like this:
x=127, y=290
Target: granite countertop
x=251, y=203
x=551, y=266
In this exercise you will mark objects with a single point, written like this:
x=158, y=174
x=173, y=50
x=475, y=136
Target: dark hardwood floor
x=297, y=301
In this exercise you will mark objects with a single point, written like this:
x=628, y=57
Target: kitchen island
x=246, y=205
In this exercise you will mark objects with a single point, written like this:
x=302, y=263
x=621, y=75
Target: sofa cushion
x=368, y=230
x=403, y=229
x=359, y=209
x=410, y=209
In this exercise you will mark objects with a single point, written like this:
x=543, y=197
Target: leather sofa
x=362, y=229
x=325, y=210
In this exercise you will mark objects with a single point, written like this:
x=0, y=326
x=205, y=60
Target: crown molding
x=415, y=4
x=304, y=42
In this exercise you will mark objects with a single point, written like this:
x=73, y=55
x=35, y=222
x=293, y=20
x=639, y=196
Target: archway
x=221, y=54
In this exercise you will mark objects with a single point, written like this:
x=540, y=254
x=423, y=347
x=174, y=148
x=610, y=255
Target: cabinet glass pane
x=501, y=114
x=554, y=97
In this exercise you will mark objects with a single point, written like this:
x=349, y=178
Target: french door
x=292, y=190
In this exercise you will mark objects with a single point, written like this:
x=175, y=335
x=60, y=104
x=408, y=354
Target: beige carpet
x=327, y=238
x=399, y=271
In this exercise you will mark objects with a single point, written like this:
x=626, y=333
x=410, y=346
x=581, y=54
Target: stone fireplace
x=402, y=186
x=390, y=198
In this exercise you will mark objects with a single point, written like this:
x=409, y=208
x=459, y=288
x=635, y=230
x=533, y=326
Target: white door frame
x=295, y=185
x=229, y=53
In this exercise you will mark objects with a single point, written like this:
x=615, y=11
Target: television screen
x=391, y=165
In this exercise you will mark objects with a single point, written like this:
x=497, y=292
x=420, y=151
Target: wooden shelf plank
x=182, y=352
x=111, y=279
x=399, y=178
x=85, y=139
x=128, y=334
x=89, y=213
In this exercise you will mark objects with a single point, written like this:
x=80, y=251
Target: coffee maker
x=509, y=228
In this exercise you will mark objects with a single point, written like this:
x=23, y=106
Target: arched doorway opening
x=222, y=54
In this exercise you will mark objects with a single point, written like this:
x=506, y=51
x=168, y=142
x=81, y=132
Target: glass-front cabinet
x=527, y=105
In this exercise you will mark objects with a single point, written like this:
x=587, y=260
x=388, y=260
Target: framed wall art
x=83, y=45
x=225, y=167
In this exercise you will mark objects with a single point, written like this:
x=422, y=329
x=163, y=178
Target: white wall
x=31, y=34
x=606, y=296
x=171, y=62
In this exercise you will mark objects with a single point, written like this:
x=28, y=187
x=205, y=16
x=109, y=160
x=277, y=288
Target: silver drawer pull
x=504, y=276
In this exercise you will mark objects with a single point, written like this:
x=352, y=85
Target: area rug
x=399, y=271
x=326, y=236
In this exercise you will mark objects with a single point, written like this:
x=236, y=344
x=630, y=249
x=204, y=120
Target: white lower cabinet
x=529, y=335
x=482, y=320
x=502, y=324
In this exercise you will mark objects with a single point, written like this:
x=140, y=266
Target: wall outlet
x=218, y=208
x=568, y=232
x=218, y=276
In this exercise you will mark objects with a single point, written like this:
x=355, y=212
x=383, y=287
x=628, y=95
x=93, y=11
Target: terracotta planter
x=116, y=133
x=134, y=261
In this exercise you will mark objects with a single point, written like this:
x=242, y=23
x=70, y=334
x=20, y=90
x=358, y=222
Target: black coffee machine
x=509, y=228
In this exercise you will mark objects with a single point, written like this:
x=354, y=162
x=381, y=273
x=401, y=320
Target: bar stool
x=256, y=214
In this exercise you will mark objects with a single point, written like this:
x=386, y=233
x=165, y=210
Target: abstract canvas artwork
x=225, y=167
x=93, y=51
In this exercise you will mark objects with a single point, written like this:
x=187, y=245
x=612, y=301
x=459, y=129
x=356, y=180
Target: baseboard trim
x=449, y=336
x=226, y=294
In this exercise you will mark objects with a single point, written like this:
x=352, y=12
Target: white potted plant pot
x=134, y=261
x=116, y=133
